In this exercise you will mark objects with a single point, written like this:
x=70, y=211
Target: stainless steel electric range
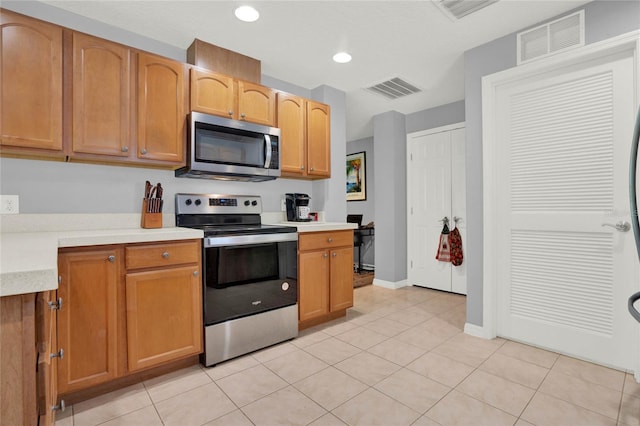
x=250, y=274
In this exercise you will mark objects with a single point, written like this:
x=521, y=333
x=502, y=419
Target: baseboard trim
x=476, y=330
x=389, y=284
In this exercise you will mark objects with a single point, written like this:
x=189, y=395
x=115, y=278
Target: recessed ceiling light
x=247, y=14
x=342, y=57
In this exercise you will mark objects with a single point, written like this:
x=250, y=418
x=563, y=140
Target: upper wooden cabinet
x=318, y=140
x=161, y=109
x=256, y=103
x=305, y=137
x=101, y=97
x=221, y=95
x=31, y=85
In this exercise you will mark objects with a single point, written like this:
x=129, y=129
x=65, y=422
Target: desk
x=358, y=235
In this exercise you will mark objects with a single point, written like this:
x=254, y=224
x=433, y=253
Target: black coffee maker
x=297, y=207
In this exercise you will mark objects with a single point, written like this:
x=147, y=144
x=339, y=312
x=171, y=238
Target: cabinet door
x=313, y=287
x=291, y=122
x=341, y=291
x=87, y=322
x=31, y=83
x=46, y=340
x=318, y=140
x=256, y=103
x=161, y=109
x=164, y=319
x=101, y=96
x=212, y=93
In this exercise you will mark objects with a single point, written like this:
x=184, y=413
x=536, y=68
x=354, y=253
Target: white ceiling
x=295, y=41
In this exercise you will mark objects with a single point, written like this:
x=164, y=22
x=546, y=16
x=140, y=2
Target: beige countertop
x=29, y=260
x=29, y=243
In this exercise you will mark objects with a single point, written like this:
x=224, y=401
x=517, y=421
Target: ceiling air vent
x=553, y=37
x=456, y=9
x=394, y=88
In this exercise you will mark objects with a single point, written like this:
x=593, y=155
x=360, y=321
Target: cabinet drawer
x=321, y=240
x=162, y=254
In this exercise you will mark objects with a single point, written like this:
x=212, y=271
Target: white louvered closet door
x=564, y=141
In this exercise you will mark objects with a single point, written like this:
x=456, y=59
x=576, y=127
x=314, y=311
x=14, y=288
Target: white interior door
x=430, y=185
x=459, y=204
x=562, y=141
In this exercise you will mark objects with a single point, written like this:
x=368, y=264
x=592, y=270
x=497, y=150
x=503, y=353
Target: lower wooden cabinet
x=325, y=287
x=126, y=308
x=88, y=320
x=46, y=346
x=164, y=320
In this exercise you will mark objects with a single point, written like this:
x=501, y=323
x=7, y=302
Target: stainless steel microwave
x=221, y=148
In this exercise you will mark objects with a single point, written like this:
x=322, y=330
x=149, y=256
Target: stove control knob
x=254, y=203
x=188, y=202
x=247, y=202
x=198, y=202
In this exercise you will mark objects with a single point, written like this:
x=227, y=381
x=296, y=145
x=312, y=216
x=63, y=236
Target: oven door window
x=229, y=146
x=236, y=265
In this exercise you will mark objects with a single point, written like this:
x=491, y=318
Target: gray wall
x=367, y=207
x=57, y=187
x=390, y=182
x=603, y=19
x=436, y=117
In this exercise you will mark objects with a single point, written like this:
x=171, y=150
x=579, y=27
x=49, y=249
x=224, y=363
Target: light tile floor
x=399, y=357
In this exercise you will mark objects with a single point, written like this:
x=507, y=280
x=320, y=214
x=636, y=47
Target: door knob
x=622, y=226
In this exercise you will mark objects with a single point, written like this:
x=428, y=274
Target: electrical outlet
x=9, y=204
x=283, y=205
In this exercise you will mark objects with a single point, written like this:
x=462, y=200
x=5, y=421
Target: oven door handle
x=239, y=240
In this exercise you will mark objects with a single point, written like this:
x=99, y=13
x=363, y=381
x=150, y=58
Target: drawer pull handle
x=59, y=354
x=111, y=258
x=165, y=255
x=59, y=407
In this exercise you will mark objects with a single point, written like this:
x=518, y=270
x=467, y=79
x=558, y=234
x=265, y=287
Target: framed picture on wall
x=356, y=177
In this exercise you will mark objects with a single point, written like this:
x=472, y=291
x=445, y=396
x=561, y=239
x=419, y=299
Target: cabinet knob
x=301, y=167
x=330, y=240
x=165, y=255
x=311, y=168
x=60, y=407
x=243, y=115
x=325, y=255
x=125, y=149
x=59, y=354
x=195, y=273
x=143, y=151
x=230, y=112
x=111, y=258
x=335, y=254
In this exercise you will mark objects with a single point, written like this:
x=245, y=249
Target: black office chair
x=357, y=237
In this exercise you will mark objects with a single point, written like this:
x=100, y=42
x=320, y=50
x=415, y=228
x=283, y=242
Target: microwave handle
x=267, y=143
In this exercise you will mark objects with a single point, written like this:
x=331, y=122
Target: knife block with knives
x=152, y=206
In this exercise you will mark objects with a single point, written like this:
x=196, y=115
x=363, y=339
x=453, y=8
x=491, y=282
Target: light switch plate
x=9, y=204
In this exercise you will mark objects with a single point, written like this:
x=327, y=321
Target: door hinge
x=57, y=305
x=59, y=354
x=59, y=279
x=412, y=264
